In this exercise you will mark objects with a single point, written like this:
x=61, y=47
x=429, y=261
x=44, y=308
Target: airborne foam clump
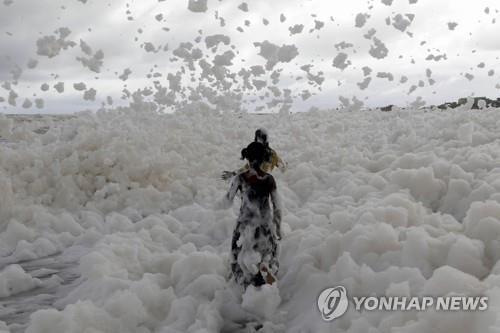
x=437, y=57
x=401, y=23
x=343, y=45
x=16, y=73
x=469, y=76
x=296, y=29
x=94, y=63
x=275, y=54
x=12, y=98
x=341, y=61
x=360, y=20
x=214, y=40
x=317, y=79
x=378, y=50
x=89, y=95
x=27, y=104
x=318, y=25
x=39, y=103
x=370, y=33
x=80, y=86
x=174, y=81
x=197, y=6
x=126, y=73
x=85, y=47
x=149, y=47
x=32, y=63
x=365, y=83
x=59, y=87
x=452, y=25
x=51, y=46
x=224, y=59
x=243, y=6
x=385, y=75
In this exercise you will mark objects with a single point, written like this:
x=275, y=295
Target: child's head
x=261, y=136
x=255, y=153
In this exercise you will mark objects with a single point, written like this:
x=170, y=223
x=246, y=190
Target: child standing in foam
x=254, y=249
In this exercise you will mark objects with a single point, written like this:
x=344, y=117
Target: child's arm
x=277, y=161
x=227, y=200
x=276, y=201
x=229, y=174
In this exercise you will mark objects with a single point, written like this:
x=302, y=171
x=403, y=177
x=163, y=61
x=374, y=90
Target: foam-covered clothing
x=257, y=231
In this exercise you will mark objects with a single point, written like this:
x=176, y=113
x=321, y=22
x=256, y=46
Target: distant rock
x=476, y=103
x=479, y=103
x=387, y=108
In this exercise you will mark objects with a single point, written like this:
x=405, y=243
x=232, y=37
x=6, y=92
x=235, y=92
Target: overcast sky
x=438, y=50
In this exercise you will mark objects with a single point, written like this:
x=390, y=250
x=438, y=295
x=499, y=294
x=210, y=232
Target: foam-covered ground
x=404, y=202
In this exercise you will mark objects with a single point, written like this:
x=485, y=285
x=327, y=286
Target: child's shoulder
x=270, y=180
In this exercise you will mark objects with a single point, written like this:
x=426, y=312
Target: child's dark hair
x=261, y=136
x=243, y=153
x=255, y=151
